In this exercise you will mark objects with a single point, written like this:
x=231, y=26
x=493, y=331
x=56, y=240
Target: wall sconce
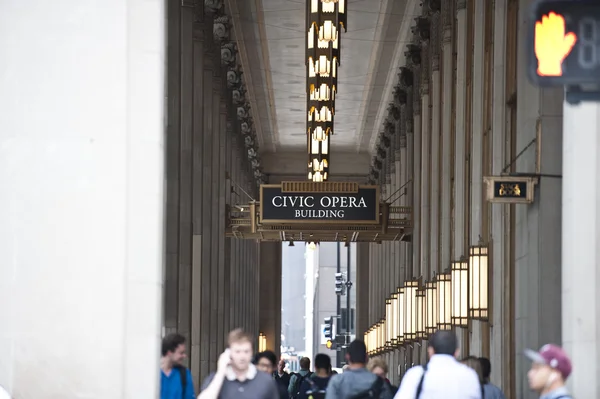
x=444, y=294
x=460, y=293
x=410, y=294
x=394, y=319
x=380, y=337
x=479, y=282
x=420, y=314
x=388, y=324
x=431, y=305
x=262, y=342
x=400, y=315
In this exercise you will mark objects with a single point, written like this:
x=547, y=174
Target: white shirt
x=445, y=378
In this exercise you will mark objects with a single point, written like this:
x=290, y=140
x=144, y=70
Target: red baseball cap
x=552, y=356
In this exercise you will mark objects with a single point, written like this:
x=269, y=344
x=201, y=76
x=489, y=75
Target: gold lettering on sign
x=509, y=190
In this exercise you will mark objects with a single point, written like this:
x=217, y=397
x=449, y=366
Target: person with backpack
x=356, y=382
x=443, y=377
x=298, y=378
x=175, y=379
x=315, y=387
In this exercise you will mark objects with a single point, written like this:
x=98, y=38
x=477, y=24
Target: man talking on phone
x=236, y=376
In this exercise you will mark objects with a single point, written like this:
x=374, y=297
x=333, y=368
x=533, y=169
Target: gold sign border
x=321, y=188
x=529, y=195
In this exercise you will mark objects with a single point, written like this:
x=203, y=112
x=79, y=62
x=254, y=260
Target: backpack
x=315, y=392
x=183, y=378
x=298, y=383
x=374, y=390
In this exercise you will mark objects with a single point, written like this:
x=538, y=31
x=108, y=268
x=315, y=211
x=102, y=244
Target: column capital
x=221, y=28
x=447, y=14
x=461, y=4
x=234, y=82
x=435, y=41
x=228, y=53
x=213, y=6
x=403, y=141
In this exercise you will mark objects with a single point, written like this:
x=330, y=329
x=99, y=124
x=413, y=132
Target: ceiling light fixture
x=324, y=21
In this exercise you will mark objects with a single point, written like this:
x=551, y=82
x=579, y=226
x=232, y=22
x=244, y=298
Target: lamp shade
x=444, y=294
x=420, y=314
x=431, y=305
x=262, y=342
x=394, y=319
x=400, y=315
x=460, y=293
x=410, y=294
x=388, y=325
x=479, y=282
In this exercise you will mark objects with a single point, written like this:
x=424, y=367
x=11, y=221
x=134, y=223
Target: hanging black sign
x=277, y=206
x=510, y=190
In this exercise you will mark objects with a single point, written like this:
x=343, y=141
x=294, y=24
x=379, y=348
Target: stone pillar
x=82, y=199
x=501, y=313
x=434, y=263
x=416, y=177
x=408, y=123
x=580, y=259
x=446, y=136
x=538, y=226
x=460, y=154
x=425, y=259
x=476, y=151
x=270, y=294
x=460, y=150
x=363, y=285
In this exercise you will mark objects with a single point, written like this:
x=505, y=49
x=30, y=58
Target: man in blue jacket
x=175, y=379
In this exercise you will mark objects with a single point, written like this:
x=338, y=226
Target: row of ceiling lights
x=324, y=21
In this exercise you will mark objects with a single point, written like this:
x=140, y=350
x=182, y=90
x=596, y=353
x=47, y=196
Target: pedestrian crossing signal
x=564, y=42
x=329, y=344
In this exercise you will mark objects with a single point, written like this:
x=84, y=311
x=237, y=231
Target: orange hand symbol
x=552, y=46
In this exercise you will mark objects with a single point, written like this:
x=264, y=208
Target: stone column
x=580, y=259
x=404, y=176
x=82, y=199
x=460, y=154
x=446, y=136
x=460, y=150
x=476, y=151
x=425, y=261
x=416, y=176
x=270, y=294
x=171, y=273
x=436, y=90
x=363, y=286
x=538, y=226
x=501, y=312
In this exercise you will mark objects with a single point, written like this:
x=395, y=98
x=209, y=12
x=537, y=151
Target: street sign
x=564, y=42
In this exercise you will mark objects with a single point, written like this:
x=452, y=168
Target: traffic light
x=339, y=284
x=328, y=329
x=330, y=344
